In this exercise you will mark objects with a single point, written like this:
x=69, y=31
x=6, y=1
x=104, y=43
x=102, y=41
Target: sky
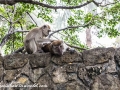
x=98, y=42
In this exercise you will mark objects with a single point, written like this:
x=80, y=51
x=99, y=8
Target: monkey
x=56, y=47
x=34, y=39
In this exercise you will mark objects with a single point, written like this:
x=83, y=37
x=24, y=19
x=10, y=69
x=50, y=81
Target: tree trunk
x=88, y=37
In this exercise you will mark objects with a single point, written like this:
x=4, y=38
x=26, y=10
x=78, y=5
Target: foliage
x=106, y=21
x=18, y=13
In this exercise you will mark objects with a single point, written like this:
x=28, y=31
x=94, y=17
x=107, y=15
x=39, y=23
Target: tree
x=16, y=18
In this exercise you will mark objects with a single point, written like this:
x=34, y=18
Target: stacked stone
x=95, y=69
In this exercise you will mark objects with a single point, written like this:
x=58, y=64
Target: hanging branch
x=32, y=18
x=69, y=27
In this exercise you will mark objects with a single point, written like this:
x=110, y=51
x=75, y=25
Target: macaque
x=56, y=47
x=35, y=38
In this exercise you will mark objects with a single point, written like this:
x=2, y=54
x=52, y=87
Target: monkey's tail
x=19, y=50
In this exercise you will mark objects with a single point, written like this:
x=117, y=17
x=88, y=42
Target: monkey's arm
x=44, y=40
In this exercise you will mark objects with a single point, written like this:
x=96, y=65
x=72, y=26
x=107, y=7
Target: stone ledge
x=94, y=69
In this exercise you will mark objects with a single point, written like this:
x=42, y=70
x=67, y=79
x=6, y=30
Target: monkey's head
x=46, y=29
x=57, y=47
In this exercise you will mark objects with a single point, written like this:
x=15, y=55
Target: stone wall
x=95, y=69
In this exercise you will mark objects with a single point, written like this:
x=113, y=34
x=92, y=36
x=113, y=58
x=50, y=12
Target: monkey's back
x=32, y=33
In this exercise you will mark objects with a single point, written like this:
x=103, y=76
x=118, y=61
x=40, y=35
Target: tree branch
x=60, y=7
x=32, y=18
x=100, y=4
x=4, y=18
x=69, y=27
x=75, y=47
x=19, y=18
x=7, y=37
x=12, y=2
x=108, y=4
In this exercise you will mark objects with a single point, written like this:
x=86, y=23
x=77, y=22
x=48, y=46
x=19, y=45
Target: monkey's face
x=46, y=29
x=58, y=50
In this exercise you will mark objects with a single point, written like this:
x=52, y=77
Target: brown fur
x=54, y=47
x=57, y=42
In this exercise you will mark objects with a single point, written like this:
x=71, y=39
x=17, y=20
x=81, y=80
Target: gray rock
x=36, y=74
x=1, y=74
x=72, y=77
x=117, y=56
x=1, y=61
x=71, y=86
x=106, y=82
x=60, y=75
x=39, y=60
x=67, y=58
x=45, y=82
x=70, y=68
x=95, y=69
x=10, y=75
x=15, y=61
x=98, y=56
x=83, y=76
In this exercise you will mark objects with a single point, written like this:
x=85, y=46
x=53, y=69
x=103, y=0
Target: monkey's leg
x=39, y=48
x=40, y=51
x=33, y=46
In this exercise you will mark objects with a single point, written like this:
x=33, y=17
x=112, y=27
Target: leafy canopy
x=17, y=17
